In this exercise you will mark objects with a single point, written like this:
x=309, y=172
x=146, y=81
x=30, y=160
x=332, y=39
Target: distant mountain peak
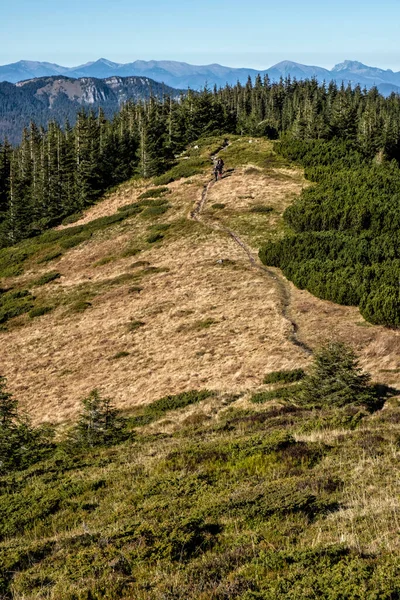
x=349, y=65
x=105, y=61
x=354, y=66
x=286, y=64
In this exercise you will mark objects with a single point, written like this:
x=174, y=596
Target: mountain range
x=184, y=75
x=59, y=98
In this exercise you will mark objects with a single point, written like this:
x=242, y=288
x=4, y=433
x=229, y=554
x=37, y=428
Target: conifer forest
x=342, y=240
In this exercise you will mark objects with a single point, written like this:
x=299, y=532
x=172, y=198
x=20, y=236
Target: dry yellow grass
x=207, y=323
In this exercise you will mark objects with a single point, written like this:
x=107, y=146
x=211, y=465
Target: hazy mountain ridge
x=59, y=98
x=184, y=75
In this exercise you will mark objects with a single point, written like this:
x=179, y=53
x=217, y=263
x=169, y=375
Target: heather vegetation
x=176, y=500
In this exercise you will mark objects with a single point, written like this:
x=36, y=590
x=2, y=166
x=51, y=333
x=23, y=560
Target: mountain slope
x=159, y=304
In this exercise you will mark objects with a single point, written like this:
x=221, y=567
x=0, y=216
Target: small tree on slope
x=336, y=379
x=99, y=423
x=20, y=444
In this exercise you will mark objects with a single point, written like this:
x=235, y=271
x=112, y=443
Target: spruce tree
x=99, y=423
x=336, y=379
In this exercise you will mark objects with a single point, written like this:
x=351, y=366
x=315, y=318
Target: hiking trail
x=284, y=291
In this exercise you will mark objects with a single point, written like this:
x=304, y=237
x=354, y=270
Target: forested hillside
x=59, y=99
x=347, y=137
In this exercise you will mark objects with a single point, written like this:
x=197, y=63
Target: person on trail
x=219, y=167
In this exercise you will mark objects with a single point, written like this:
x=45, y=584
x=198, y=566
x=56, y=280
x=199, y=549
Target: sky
x=236, y=33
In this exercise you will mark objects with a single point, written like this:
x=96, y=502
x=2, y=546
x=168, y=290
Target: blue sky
x=251, y=33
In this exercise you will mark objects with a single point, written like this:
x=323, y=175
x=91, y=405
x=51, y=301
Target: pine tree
x=336, y=379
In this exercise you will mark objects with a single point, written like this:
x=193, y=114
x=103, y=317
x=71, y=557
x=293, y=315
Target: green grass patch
x=155, y=211
x=159, y=408
x=104, y=261
x=160, y=227
x=51, y=244
x=119, y=355
x=134, y=325
x=14, y=304
x=72, y=218
x=50, y=256
x=80, y=306
x=131, y=209
x=185, y=168
x=131, y=251
x=154, y=237
x=282, y=393
x=38, y=311
x=205, y=324
x=46, y=278
x=218, y=206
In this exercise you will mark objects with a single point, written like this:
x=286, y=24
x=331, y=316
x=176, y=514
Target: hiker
x=219, y=167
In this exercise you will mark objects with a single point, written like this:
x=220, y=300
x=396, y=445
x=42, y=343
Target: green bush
x=13, y=304
x=50, y=256
x=104, y=261
x=335, y=379
x=185, y=168
x=282, y=393
x=261, y=208
x=80, y=306
x=343, y=234
x=154, y=237
x=288, y=376
x=72, y=218
x=159, y=408
x=154, y=193
x=71, y=242
x=155, y=211
x=20, y=444
x=134, y=325
x=218, y=205
x=119, y=355
x=132, y=209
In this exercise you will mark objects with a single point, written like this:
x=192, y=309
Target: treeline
x=345, y=240
x=60, y=171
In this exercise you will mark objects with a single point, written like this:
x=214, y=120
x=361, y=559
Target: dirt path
x=279, y=281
